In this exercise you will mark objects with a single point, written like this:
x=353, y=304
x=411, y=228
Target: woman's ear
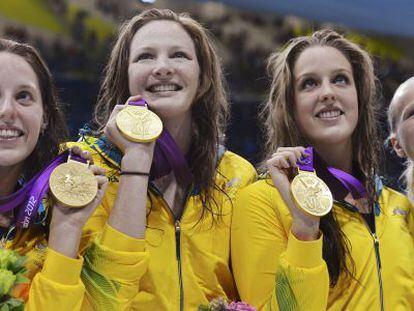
x=43, y=127
x=397, y=146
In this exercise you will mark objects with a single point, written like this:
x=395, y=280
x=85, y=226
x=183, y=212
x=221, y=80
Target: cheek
x=135, y=79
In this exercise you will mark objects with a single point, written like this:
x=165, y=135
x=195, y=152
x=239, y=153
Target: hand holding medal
x=86, y=185
x=137, y=123
x=282, y=166
x=72, y=184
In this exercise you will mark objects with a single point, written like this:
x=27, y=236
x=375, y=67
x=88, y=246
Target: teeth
x=330, y=114
x=7, y=134
x=164, y=88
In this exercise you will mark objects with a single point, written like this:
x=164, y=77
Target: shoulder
x=395, y=202
x=233, y=166
x=98, y=151
x=263, y=195
x=391, y=196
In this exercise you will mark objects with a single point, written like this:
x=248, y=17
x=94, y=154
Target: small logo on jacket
x=399, y=211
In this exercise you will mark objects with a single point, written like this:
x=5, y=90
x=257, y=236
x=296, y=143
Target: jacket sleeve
x=58, y=285
x=114, y=265
x=274, y=270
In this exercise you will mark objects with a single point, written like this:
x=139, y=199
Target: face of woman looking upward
x=326, y=101
x=164, y=69
x=21, y=109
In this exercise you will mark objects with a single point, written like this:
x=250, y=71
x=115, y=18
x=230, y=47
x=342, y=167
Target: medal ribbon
x=30, y=196
x=167, y=156
x=352, y=184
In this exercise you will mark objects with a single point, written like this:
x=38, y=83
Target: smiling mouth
x=329, y=114
x=10, y=134
x=158, y=88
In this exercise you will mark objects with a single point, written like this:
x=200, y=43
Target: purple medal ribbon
x=167, y=156
x=30, y=196
x=353, y=185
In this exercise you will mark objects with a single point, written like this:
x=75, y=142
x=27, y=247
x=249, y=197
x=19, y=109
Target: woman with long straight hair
x=32, y=223
x=320, y=231
x=165, y=222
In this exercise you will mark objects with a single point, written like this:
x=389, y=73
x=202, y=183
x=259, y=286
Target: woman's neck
x=338, y=156
x=8, y=179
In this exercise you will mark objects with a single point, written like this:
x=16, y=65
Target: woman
x=166, y=243
x=32, y=128
x=323, y=95
x=400, y=120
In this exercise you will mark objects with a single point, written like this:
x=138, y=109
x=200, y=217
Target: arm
x=58, y=285
x=117, y=259
x=272, y=268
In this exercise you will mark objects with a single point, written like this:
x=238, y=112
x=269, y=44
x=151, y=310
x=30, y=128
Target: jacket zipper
x=376, y=248
x=177, y=225
x=378, y=260
x=178, y=255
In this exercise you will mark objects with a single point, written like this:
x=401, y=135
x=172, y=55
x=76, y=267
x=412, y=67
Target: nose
x=163, y=68
x=7, y=110
x=327, y=92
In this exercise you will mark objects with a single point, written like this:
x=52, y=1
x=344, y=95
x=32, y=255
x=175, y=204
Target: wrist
x=65, y=242
x=305, y=230
x=134, y=160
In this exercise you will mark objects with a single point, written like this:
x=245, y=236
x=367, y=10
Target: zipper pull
x=177, y=238
x=376, y=245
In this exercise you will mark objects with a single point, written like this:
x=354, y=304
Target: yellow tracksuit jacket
x=275, y=271
x=181, y=264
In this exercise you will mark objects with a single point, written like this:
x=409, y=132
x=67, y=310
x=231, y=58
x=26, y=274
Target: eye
x=180, y=54
x=144, y=56
x=341, y=79
x=24, y=97
x=308, y=84
x=409, y=114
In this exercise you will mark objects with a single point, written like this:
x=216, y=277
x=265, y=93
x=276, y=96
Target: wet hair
x=281, y=129
x=210, y=109
x=55, y=132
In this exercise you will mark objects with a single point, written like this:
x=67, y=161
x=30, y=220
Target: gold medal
x=311, y=194
x=73, y=184
x=139, y=124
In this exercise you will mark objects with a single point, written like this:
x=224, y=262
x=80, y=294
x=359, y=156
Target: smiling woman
x=285, y=255
x=32, y=129
x=166, y=242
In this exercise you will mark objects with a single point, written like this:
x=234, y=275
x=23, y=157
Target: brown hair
x=55, y=133
x=281, y=129
x=210, y=109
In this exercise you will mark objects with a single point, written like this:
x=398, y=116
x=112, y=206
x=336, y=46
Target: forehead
x=403, y=97
x=162, y=33
x=317, y=59
x=15, y=70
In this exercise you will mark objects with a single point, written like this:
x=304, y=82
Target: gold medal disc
x=139, y=124
x=73, y=184
x=311, y=194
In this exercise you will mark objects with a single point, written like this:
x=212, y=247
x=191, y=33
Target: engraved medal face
x=311, y=194
x=139, y=124
x=73, y=184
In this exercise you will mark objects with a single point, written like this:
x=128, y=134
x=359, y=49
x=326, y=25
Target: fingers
x=84, y=154
x=286, y=157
